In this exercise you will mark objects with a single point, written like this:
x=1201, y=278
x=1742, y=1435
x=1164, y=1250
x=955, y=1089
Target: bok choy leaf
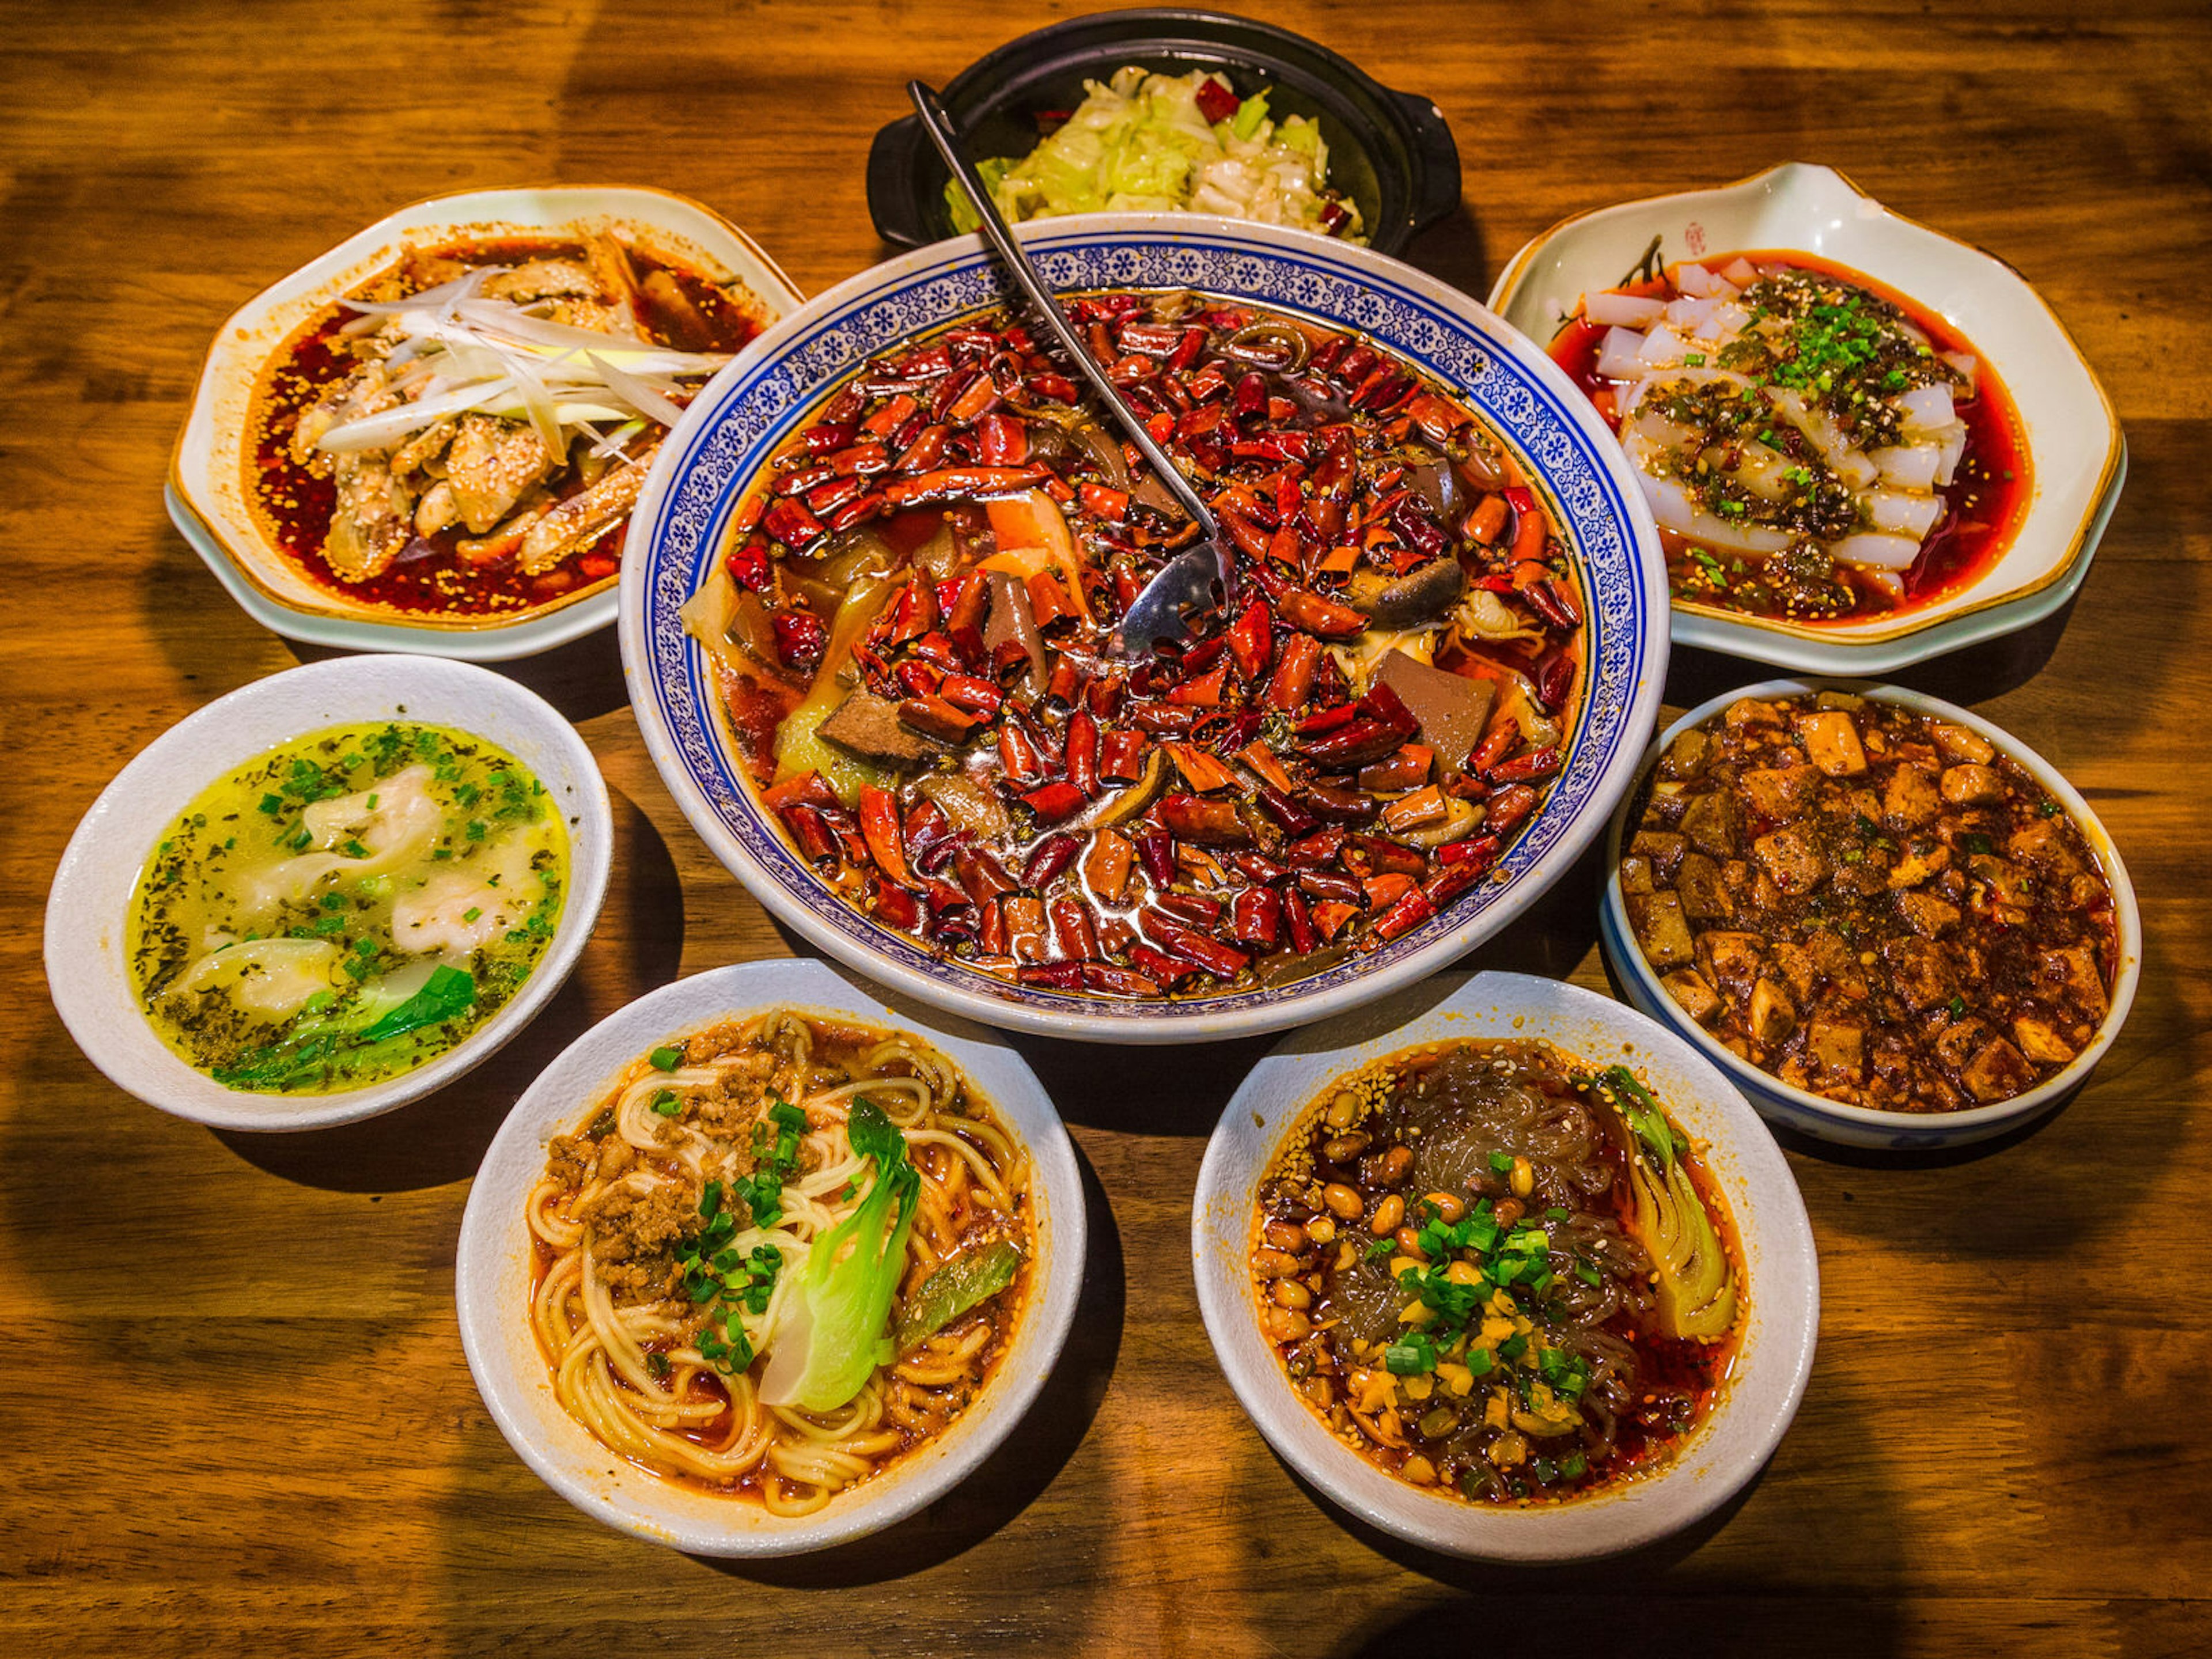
x=834, y=1335
x=1696, y=1293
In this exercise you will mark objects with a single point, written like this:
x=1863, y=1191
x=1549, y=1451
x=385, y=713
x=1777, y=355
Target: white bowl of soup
x=1903, y=451
x=452, y=473
x=1506, y=1270
x=329, y=893
x=763, y=1264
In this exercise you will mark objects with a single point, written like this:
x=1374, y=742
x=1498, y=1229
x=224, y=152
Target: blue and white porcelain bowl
x=743, y=415
x=1835, y=1120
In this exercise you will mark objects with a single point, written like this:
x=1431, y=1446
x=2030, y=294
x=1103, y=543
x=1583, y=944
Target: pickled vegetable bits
x=911, y=628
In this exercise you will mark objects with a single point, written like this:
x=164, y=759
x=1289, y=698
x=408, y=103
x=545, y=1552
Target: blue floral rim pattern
x=751, y=414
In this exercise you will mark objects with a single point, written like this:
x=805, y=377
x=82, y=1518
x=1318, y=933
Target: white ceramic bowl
x=1782, y=1275
x=89, y=906
x=492, y=1274
x=206, y=493
x=1833, y=1120
x=2074, y=438
x=753, y=406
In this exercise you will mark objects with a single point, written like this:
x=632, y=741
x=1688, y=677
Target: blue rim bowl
x=746, y=413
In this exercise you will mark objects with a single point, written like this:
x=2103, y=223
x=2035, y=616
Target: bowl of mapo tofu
x=1892, y=924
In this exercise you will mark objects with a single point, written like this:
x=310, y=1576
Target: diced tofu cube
x=1635, y=874
x=1686, y=756
x=2074, y=973
x=2040, y=1041
x=1794, y=964
x=1781, y=792
x=1663, y=848
x=1731, y=960
x=1919, y=863
x=1837, y=961
x=1833, y=742
x=1996, y=1071
x=1710, y=822
x=1959, y=743
x=1660, y=929
x=1913, y=797
x=1704, y=895
x=2039, y=843
x=1773, y=1014
x=1920, y=973
x=1969, y=785
x=1793, y=858
x=1698, y=999
x=1926, y=914
x=1838, y=1046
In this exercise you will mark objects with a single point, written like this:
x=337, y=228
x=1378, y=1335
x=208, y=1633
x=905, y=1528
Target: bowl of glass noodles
x=1506, y=1270
x=1181, y=110
x=329, y=893
x=765, y=1263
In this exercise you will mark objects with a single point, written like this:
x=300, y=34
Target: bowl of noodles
x=762, y=1264
x=1506, y=1270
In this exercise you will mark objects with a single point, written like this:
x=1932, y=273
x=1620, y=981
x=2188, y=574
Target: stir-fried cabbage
x=1141, y=143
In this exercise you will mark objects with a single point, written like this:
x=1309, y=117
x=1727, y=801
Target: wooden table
x=236, y=1409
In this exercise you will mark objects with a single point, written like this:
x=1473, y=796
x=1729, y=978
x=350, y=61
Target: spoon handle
x=937, y=124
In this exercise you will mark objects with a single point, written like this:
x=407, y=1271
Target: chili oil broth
x=1692, y=1371
x=293, y=502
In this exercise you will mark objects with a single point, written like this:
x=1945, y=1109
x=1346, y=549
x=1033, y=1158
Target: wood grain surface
x=235, y=1409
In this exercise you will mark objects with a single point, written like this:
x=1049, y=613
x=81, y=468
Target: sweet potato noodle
x=1494, y=1273
x=779, y=1254
x=912, y=627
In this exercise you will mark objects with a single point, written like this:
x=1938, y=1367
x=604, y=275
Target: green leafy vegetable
x=834, y=1336
x=375, y=1017
x=960, y=1282
x=1696, y=1290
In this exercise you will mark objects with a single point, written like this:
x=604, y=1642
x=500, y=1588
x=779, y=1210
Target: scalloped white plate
x=2074, y=440
x=206, y=489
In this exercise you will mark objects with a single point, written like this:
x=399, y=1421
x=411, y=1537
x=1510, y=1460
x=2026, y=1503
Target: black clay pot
x=1390, y=152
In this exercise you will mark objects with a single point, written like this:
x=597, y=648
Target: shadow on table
x=583, y=678
x=1029, y=1461
x=1972, y=676
x=637, y=946
x=1451, y=251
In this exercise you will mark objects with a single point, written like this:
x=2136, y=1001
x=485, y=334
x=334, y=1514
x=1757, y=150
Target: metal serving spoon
x=1198, y=580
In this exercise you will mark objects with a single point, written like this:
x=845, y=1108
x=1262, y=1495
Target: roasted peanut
x=1342, y=1200
x=1285, y=1234
x=1390, y=1215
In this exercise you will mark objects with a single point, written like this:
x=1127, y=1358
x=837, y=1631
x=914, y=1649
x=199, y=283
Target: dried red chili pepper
x=800, y=639
x=1048, y=858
